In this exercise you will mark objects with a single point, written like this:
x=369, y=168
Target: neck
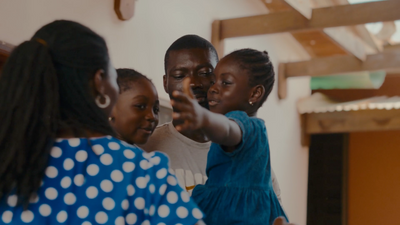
x=252, y=114
x=195, y=135
x=70, y=133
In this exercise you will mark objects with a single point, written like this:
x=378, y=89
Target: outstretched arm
x=218, y=128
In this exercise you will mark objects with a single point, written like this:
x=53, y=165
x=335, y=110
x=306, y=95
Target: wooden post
x=216, y=38
x=124, y=9
x=282, y=82
x=304, y=138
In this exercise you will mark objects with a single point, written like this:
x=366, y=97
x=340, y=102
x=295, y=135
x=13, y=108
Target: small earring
x=105, y=104
x=110, y=119
x=251, y=103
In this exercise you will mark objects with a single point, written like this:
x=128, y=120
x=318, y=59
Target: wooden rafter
x=289, y=21
x=392, y=47
x=342, y=64
x=315, y=42
x=387, y=60
x=388, y=29
x=277, y=5
x=352, y=121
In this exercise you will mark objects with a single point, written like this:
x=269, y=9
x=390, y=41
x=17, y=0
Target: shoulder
x=159, y=134
x=162, y=127
x=237, y=114
x=244, y=121
x=114, y=146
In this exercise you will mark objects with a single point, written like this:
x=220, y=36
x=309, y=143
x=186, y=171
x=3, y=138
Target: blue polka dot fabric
x=104, y=181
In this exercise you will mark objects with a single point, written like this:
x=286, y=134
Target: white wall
x=141, y=43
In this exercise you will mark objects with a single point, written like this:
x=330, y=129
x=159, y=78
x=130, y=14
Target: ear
x=98, y=83
x=257, y=93
x=113, y=114
x=165, y=82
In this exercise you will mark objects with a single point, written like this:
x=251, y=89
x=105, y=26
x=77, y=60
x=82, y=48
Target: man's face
x=197, y=64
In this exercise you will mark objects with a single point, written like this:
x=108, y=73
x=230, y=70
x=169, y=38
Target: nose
x=213, y=89
x=151, y=115
x=195, y=82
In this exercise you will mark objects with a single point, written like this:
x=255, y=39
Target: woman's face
x=135, y=116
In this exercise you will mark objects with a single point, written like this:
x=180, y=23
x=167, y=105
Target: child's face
x=196, y=63
x=136, y=112
x=231, y=90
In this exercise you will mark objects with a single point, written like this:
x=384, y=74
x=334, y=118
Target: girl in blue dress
x=239, y=188
x=59, y=161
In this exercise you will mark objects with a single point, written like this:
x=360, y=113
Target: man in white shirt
x=194, y=57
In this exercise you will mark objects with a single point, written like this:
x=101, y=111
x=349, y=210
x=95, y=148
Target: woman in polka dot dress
x=59, y=162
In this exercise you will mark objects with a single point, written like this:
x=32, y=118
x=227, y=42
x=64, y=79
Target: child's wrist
x=205, y=118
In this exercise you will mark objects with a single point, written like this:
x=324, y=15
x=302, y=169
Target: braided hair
x=126, y=77
x=259, y=68
x=45, y=87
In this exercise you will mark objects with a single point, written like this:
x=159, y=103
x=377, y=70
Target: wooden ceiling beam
x=392, y=47
x=351, y=121
x=342, y=64
x=315, y=42
x=323, y=42
x=277, y=5
x=288, y=21
x=387, y=60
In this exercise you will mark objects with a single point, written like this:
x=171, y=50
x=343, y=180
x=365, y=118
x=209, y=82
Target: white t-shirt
x=188, y=158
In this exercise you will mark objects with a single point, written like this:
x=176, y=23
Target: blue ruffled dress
x=239, y=186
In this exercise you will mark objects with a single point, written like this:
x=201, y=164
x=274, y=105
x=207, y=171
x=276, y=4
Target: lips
x=200, y=99
x=200, y=95
x=212, y=102
x=147, y=130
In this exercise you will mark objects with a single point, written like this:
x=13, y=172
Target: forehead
x=140, y=86
x=191, y=57
x=230, y=67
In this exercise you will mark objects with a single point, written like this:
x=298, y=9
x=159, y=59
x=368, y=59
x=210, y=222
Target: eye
x=140, y=106
x=156, y=110
x=205, y=73
x=225, y=83
x=212, y=82
x=179, y=76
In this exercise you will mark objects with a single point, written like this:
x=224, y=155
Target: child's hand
x=188, y=109
x=281, y=221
